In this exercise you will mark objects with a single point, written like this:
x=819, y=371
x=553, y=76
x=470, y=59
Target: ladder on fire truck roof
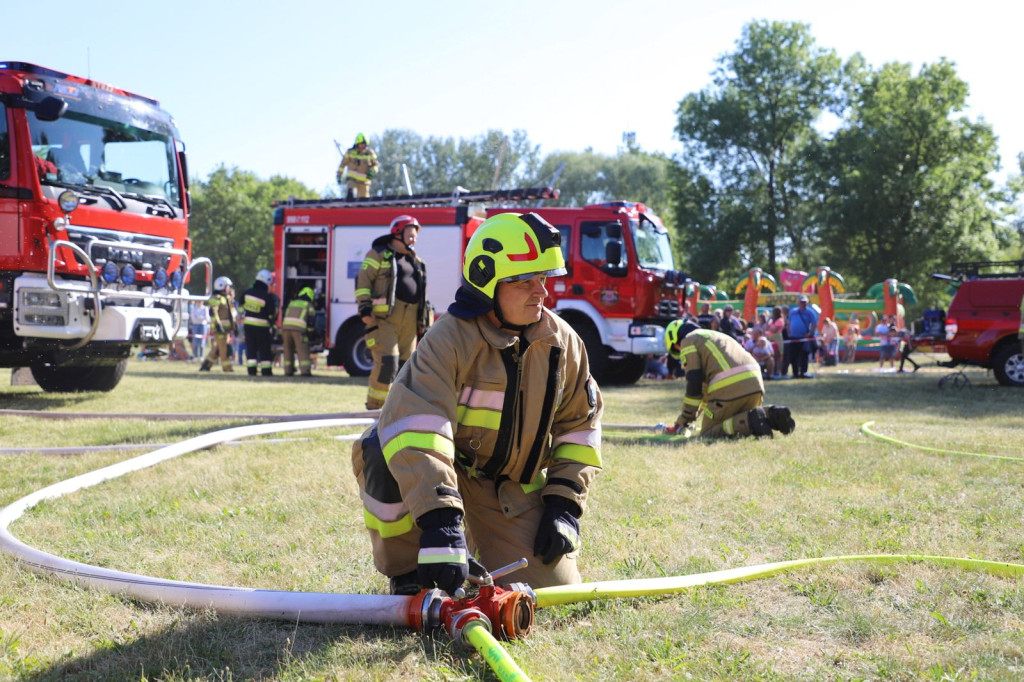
x=460, y=197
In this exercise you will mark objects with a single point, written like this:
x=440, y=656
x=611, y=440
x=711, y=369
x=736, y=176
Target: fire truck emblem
x=609, y=297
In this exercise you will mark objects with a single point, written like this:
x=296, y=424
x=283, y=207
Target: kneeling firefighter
x=391, y=293
x=723, y=385
x=494, y=421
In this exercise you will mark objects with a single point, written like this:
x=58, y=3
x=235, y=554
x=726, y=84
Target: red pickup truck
x=984, y=318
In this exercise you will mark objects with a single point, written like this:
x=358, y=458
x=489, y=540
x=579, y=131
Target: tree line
x=790, y=157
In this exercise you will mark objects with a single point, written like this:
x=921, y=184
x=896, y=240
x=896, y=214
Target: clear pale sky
x=268, y=86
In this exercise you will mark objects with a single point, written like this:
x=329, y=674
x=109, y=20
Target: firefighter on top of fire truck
x=391, y=294
x=494, y=421
x=357, y=168
x=723, y=385
x=297, y=324
x=259, y=308
x=222, y=319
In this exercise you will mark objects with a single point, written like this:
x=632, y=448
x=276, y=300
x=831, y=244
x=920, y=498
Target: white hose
x=310, y=607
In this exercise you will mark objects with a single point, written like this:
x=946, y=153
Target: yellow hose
x=611, y=589
x=865, y=428
x=501, y=663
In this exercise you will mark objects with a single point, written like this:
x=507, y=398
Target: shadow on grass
x=225, y=648
x=241, y=375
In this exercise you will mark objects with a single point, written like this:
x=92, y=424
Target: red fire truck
x=621, y=290
x=93, y=236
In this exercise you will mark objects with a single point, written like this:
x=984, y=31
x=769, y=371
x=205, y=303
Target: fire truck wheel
x=626, y=370
x=78, y=379
x=1008, y=365
x=355, y=356
x=597, y=352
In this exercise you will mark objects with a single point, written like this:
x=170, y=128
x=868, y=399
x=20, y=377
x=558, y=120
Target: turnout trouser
x=391, y=342
x=258, y=351
x=500, y=524
x=729, y=417
x=220, y=351
x=295, y=343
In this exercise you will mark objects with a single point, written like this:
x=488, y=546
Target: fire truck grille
x=668, y=307
x=114, y=246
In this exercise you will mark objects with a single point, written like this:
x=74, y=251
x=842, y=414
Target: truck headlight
x=41, y=299
x=650, y=330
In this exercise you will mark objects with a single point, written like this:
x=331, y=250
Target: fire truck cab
x=620, y=291
x=93, y=235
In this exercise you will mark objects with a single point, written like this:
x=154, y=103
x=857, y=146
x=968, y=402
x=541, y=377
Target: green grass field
x=282, y=512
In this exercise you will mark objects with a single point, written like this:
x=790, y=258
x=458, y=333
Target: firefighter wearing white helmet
x=259, y=307
x=724, y=386
x=296, y=325
x=493, y=423
x=222, y=316
x=358, y=167
x=391, y=295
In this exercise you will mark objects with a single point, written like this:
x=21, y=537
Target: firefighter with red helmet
x=723, y=385
x=259, y=308
x=391, y=294
x=222, y=318
x=358, y=166
x=494, y=423
x=296, y=326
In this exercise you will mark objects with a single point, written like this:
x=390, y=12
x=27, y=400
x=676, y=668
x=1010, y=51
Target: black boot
x=205, y=367
x=406, y=584
x=781, y=419
x=252, y=371
x=758, y=420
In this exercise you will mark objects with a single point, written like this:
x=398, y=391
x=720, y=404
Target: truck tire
x=597, y=352
x=626, y=370
x=1008, y=365
x=78, y=379
x=355, y=357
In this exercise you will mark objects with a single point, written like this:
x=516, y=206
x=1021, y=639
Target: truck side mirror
x=51, y=108
x=613, y=253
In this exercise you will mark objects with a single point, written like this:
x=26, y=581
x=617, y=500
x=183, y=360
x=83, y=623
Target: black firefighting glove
x=559, y=529
x=442, y=558
x=366, y=310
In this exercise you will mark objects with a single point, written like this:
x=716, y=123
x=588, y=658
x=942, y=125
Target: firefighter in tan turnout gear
x=391, y=294
x=493, y=422
x=295, y=329
x=222, y=319
x=358, y=166
x=723, y=385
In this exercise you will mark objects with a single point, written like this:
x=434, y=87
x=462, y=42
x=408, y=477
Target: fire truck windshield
x=87, y=151
x=653, y=249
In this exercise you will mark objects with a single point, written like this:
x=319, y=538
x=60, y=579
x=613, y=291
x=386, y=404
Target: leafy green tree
x=232, y=221
x=630, y=175
x=908, y=180
x=747, y=132
x=437, y=164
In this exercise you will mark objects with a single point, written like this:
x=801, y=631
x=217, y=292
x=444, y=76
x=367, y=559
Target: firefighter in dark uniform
x=259, y=306
x=222, y=317
x=298, y=322
x=723, y=385
x=391, y=293
x=358, y=166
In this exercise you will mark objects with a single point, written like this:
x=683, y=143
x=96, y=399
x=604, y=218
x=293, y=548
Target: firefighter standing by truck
x=723, y=385
x=391, y=292
x=495, y=421
x=296, y=327
x=259, y=307
x=358, y=167
x=222, y=319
